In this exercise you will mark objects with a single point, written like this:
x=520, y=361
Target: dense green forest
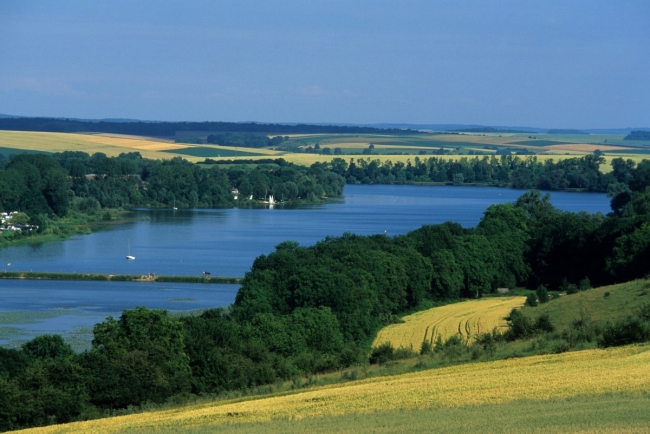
x=44, y=186
x=59, y=125
x=505, y=171
x=305, y=310
x=244, y=140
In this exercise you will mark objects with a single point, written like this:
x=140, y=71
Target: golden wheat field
x=111, y=145
x=467, y=318
x=544, y=377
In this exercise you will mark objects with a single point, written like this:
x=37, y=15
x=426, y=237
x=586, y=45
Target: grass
x=599, y=305
x=596, y=414
x=467, y=318
x=561, y=384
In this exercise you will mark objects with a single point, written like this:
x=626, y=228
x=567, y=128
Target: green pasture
x=624, y=412
x=599, y=305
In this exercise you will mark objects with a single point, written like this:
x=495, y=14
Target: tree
x=47, y=347
x=143, y=355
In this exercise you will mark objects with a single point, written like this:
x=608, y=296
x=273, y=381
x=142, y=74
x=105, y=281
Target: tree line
x=44, y=186
x=167, y=129
x=244, y=140
x=638, y=135
x=504, y=171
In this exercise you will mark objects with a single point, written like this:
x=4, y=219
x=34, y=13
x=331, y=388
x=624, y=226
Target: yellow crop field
x=89, y=143
x=467, y=318
x=586, y=147
x=545, y=377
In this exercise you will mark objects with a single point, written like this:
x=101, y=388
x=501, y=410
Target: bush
x=624, y=332
x=542, y=294
x=488, y=341
x=569, y=288
x=531, y=300
x=519, y=326
x=381, y=354
x=386, y=353
x=543, y=324
x=630, y=330
x=584, y=284
x=453, y=347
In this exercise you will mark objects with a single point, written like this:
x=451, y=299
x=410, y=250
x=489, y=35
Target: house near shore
x=7, y=225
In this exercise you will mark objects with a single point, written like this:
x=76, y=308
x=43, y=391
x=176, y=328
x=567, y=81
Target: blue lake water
x=224, y=242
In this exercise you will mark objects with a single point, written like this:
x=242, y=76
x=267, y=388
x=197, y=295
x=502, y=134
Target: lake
x=224, y=242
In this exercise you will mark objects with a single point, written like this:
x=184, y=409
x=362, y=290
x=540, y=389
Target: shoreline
x=40, y=275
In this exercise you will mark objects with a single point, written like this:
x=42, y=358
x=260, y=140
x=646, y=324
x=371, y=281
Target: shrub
x=426, y=348
x=488, y=341
x=403, y=353
x=519, y=326
x=381, y=354
x=453, y=347
x=531, y=300
x=569, y=288
x=624, y=332
x=542, y=294
x=543, y=324
x=584, y=284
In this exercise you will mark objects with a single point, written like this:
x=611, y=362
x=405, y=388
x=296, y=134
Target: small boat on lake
x=129, y=256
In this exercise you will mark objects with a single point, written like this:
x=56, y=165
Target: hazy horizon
x=578, y=65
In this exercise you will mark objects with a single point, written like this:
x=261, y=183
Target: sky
x=552, y=64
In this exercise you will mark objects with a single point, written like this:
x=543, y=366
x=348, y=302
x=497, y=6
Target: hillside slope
x=591, y=375
x=598, y=305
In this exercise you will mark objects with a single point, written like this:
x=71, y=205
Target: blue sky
x=554, y=64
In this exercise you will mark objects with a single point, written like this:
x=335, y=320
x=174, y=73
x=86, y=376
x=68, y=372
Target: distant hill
x=491, y=130
x=567, y=131
x=458, y=127
x=167, y=129
x=638, y=135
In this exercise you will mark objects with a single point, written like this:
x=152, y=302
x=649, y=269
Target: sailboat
x=174, y=206
x=129, y=255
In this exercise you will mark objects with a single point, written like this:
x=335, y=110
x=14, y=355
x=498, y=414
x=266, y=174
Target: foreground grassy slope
x=598, y=305
x=589, y=379
x=610, y=413
x=467, y=318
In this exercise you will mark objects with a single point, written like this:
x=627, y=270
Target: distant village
x=9, y=222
